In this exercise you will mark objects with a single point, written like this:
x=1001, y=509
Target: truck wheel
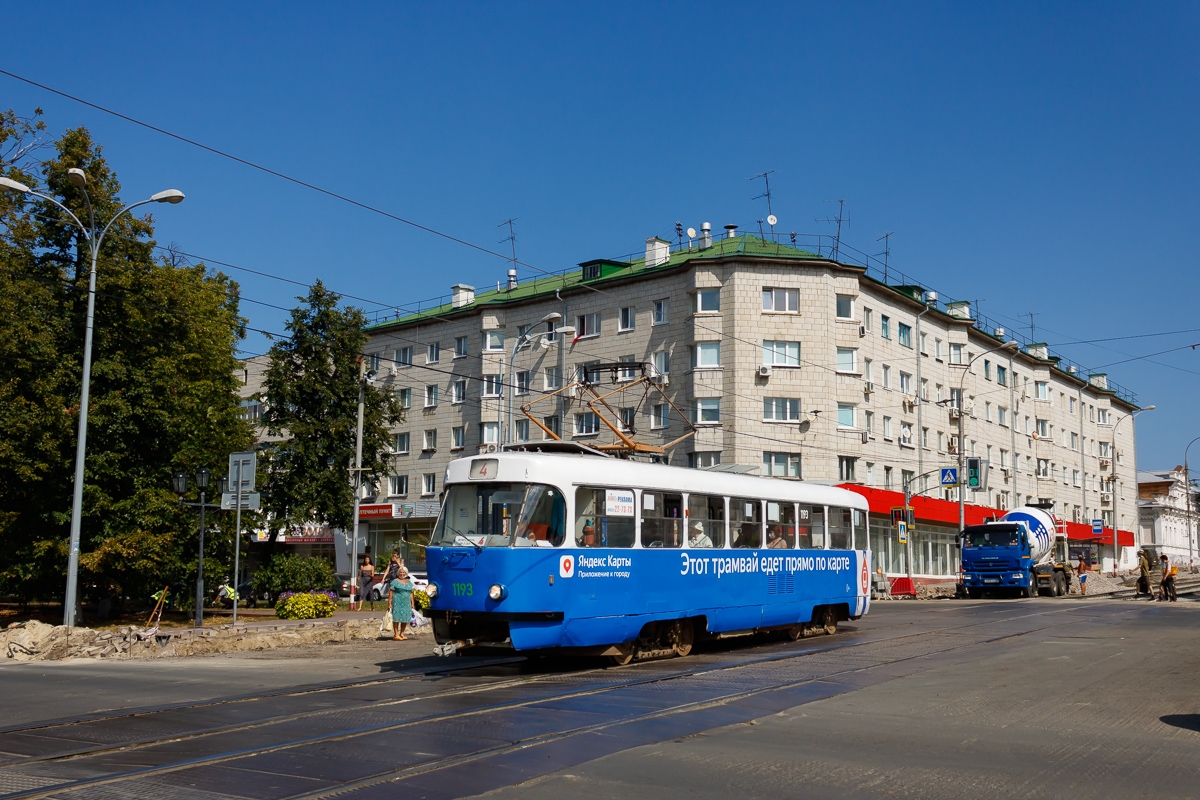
x=1058, y=585
x=1032, y=590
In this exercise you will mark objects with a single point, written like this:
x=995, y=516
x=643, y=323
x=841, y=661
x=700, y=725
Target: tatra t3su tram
x=588, y=555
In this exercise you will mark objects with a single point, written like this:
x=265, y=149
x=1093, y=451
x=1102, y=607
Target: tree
x=163, y=389
x=310, y=395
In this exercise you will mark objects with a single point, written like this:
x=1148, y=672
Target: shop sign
x=377, y=510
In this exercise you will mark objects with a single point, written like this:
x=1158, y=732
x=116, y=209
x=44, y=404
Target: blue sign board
x=902, y=529
x=950, y=476
x=1097, y=526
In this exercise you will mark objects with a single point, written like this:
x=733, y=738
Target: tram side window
x=543, y=520
x=812, y=528
x=839, y=529
x=662, y=519
x=745, y=522
x=604, y=517
x=861, y=540
x=781, y=525
x=706, y=521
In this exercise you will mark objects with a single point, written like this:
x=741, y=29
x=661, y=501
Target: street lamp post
x=1187, y=485
x=180, y=482
x=365, y=376
x=553, y=316
x=1116, y=480
x=79, y=178
x=962, y=445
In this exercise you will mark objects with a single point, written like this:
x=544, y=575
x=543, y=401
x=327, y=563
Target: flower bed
x=305, y=605
x=420, y=599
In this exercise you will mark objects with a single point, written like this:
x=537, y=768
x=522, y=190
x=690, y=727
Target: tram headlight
x=498, y=591
x=432, y=590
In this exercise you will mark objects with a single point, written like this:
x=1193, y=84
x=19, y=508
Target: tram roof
x=577, y=469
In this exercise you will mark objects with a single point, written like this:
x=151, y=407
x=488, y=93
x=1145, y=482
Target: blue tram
x=602, y=556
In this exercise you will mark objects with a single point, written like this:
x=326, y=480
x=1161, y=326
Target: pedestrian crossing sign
x=902, y=529
x=950, y=476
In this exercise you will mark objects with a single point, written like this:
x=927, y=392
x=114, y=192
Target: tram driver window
x=706, y=521
x=811, y=524
x=861, y=539
x=604, y=517
x=745, y=522
x=839, y=529
x=781, y=525
x=662, y=519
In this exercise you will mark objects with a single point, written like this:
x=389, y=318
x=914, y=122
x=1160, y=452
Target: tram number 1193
x=462, y=589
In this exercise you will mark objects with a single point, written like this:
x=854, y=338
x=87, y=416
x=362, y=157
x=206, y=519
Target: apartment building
x=786, y=363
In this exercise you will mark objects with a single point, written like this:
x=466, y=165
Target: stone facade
x=1165, y=517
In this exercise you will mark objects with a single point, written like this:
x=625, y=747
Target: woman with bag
x=366, y=578
x=400, y=597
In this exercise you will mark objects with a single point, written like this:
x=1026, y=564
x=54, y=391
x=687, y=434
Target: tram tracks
x=621, y=683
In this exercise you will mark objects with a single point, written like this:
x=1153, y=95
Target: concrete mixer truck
x=1021, y=551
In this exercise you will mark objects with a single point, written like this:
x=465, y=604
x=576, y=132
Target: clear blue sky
x=1038, y=157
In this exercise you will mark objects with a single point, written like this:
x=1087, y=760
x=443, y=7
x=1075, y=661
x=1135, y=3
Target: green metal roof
x=610, y=270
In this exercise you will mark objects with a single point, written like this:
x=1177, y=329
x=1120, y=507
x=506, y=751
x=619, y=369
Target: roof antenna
x=1032, y=327
x=511, y=239
x=887, y=251
x=771, y=220
x=839, y=219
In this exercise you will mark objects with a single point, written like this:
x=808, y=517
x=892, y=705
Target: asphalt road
x=940, y=699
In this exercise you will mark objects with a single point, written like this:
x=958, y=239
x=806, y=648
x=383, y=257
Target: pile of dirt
x=38, y=641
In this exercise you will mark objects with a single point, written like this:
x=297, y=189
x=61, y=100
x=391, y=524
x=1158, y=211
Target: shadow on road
x=1189, y=722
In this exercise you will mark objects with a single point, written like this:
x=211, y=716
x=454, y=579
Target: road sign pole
x=237, y=539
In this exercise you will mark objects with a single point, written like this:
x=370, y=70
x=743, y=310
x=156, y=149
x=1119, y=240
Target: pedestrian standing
x=1166, y=589
x=1143, y=583
x=400, y=597
x=1084, y=569
x=366, y=578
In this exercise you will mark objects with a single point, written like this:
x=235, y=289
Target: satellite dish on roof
x=772, y=219
x=691, y=232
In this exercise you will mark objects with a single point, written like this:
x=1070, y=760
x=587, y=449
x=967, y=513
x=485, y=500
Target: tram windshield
x=991, y=536
x=501, y=515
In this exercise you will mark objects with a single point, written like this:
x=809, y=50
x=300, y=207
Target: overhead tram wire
x=290, y=179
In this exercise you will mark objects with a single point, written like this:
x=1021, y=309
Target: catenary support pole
x=237, y=538
x=355, y=580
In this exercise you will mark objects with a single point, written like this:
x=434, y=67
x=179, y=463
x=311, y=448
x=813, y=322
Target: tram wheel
x=796, y=632
x=682, y=636
x=626, y=656
x=829, y=620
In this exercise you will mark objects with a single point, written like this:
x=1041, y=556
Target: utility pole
x=358, y=437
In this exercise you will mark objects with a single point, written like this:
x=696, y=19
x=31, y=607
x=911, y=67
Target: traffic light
x=974, y=472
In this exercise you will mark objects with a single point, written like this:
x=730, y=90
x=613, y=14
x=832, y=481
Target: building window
x=924, y=344
x=433, y=352
x=987, y=411
x=987, y=370
x=885, y=325
x=494, y=340
x=662, y=362
x=906, y=383
x=1041, y=390
x=627, y=418
x=373, y=362
x=523, y=382
x=489, y=432
x=660, y=312
x=404, y=357
x=706, y=355
x=587, y=325
x=591, y=272
x=887, y=428
x=492, y=385
x=458, y=437
x=1002, y=415
x=956, y=354
x=781, y=465
x=400, y=444
x=706, y=411
x=251, y=409
x=553, y=424
x=869, y=421
x=845, y=415
x=1072, y=405
x=460, y=346
x=1102, y=416
x=904, y=334
x=404, y=398
x=906, y=434
x=1002, y=375
x=1043, y=468
x=846, y=468
x=631, y=372
x=845, y=306
x=1074, y=441
x=868, y=319
x=781, y=409
x=429, y=483
x=627, y=318
x=521, y=430
x=781, y=300
x=707, y=300
x=704, y=460
x=847, y=359
x=587, y=423
x=925, y=438
x=659, y=415
x=523, y=330
x=1104, y=449
x=887, y=478
x=1042, y=426
x=552, y=378
x=398, y=485
x=430, y=440
x=781, y=354
x=458, y=391
x=937, y=349
x=431, y=396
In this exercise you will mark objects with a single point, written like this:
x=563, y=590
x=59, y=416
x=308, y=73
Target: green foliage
x=311, y=391
x=308, y=605
x=291, y=573
x=420, y=599
x=163, y=390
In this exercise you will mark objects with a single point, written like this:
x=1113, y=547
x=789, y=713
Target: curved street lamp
x=962, y=445
x=94, y=239
x=1187, y=485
